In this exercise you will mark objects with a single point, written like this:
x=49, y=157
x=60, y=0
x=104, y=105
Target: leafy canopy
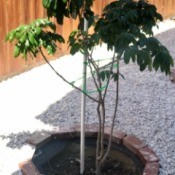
x=29, y=38
x=126, y=26
x=69, y=8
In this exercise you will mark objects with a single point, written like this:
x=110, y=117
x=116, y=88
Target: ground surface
x=67, y=161
x=39, y=101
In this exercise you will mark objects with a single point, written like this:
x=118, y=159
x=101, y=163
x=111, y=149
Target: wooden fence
x=16, y=12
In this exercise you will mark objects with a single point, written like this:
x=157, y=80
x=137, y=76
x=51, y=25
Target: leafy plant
x=30, y=38
x=125, y=27
x=69, y=8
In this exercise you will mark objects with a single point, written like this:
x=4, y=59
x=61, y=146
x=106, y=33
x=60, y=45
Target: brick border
x=145, y=154
x=172, y=75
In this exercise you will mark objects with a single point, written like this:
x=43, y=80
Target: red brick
x=117, y=135
x=147, y=155
x=91, y=130
x=133, y=143
x=172, y=75
x=151, y=168
x=28, y=168
x=64, y=132
x=77, y=129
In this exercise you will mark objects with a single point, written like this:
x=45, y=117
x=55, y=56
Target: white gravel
x=39, y=101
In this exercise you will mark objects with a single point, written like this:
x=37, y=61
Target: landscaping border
x=140, y=149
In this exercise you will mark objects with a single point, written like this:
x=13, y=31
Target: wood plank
x=2, y=34
x=17, y=63
x=9, y=23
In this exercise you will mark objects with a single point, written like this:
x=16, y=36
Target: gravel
x=38, y=101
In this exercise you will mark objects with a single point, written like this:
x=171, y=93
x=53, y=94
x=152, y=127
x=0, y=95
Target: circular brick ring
x=141, y=150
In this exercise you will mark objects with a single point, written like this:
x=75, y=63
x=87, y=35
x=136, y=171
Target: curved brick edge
x=172, y=75
x=28, y=168
x=145, y=154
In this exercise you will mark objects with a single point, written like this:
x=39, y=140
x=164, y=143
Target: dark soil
x=67, y=162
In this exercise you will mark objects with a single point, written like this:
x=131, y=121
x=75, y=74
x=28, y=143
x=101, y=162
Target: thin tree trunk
x=114, y=115
x=98, y=167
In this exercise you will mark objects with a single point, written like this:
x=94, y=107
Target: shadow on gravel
x=17, y=141
x=17, y=172
x=62, y=113
x=67, y=111
x=167, y=39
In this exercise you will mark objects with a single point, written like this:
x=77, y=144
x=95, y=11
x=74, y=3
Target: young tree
x=125, y=27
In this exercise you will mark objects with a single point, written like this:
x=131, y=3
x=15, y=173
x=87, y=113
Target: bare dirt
x=67, y=162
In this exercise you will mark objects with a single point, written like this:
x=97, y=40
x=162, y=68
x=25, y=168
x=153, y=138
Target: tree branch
x=112, y=63
x=64, y=78
x=114, y=115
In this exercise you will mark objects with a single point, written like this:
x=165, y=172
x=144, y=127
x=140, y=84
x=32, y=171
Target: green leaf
x=24, y=53
x=75, y=48
x=10, y=36
x=31, y=38
x=55, y=4
x=115, y=76
x=46, y=3
x=143, y=67
x=89, y=3
x=27, y=44
x=23, y=38
x=49, y=49
x=52, y=26
x=73, y=33
x=16, y=51
x=129, y=53
x=108, y=74
x=59, y=38
x=156, y=63
x=122, y=75
x=102, y=75
x=140, y=58
x=38, y=30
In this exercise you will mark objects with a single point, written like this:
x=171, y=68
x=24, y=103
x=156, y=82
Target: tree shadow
x=18, y=140
x=17, y=172
x=67, y=111
x=167, y=38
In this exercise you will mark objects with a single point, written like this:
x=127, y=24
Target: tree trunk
x=98, y=167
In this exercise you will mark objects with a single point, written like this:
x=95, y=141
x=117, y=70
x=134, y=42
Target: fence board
x=1, y=37
x=16, y=12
